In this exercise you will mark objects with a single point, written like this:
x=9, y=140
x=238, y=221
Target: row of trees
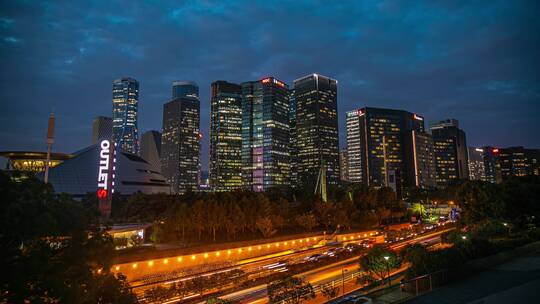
x=229, y=215
x=52, y=249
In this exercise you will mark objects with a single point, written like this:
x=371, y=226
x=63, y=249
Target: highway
x=326, y=274
x=257, y=267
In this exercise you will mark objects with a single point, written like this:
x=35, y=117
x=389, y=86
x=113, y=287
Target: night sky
x=476, y=61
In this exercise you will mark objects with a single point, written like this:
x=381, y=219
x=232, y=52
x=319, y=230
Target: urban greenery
x=494, y=218
x=290, y=290
x=196, y=217
x=379, y=261
x=52, y=248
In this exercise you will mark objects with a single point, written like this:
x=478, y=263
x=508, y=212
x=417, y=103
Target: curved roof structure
x=78, y=175
x=32, y=160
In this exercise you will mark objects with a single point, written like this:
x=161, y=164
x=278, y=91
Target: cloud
x=475, y=61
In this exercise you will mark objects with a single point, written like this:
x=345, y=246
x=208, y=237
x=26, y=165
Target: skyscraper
x=151, y=148
x=180, y=143
x=380, y=147
x=265, y=134
x=344, y=165
x=317, y=139
x=293, y=147
x=492, y=166
x=476, y=163
x=125, y=106
x=225, y=136
x=424, y=160
x=185, y=89
x=101, y=129
x=450, y=147
x=519, y=161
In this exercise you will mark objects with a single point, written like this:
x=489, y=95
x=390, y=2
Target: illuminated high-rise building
x=476, y=164
x=317, y=139
x=424, y=160
x=265, y=134
x=450, y=148
x=185, y=89
x=344, y=165
x=380, y=148
x=519, y=161
x=293, y=148
x=101, y=129
x=180, y=144
x=225, y=136
x=492, y=166
x=125, y=99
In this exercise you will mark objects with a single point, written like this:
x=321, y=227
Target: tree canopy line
x=52, y=248
x=241, y=214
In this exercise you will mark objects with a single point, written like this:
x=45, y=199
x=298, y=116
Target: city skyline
x=426, y=74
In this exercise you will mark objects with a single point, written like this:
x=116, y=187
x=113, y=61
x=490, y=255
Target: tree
x=329, y=291
x=306, y=221
x=479, y=201
x=419, y=210
x=198, y=218
x=379, y=261
x=323, y=211
x=290, y=290
x=418, y=257
x=53, y=250
x=265, y=226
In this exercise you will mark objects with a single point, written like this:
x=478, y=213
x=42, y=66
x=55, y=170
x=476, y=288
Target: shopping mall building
x=77, y=173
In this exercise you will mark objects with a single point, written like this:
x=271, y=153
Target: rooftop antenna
x=50, y=141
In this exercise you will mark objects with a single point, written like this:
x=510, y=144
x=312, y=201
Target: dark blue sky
x=477, y=61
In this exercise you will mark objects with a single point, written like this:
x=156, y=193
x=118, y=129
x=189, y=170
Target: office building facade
x=125, y=114
x=492, y=166
x=424, y=160
x=476, y=164
x=344, y=165
x=151, y=148
x=450, y=148
x=184, y=89
x=101, y=129
x=518, y=161
x=380, y=147
x=265, y=134
x=316, y=129
x=293, y=148
x=225, y=136
x=180, y=144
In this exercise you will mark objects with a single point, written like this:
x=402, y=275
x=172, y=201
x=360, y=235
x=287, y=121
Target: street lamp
x=387, y=268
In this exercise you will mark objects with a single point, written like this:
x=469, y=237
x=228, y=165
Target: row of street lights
x=250, y=249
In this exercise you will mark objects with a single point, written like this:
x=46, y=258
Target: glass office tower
x=265, y=134
x=450, y=148
x=125, y=101
x=185, y=89
x=225, y=136
x=380, y=145
x=317, y=138
x=180, y=144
